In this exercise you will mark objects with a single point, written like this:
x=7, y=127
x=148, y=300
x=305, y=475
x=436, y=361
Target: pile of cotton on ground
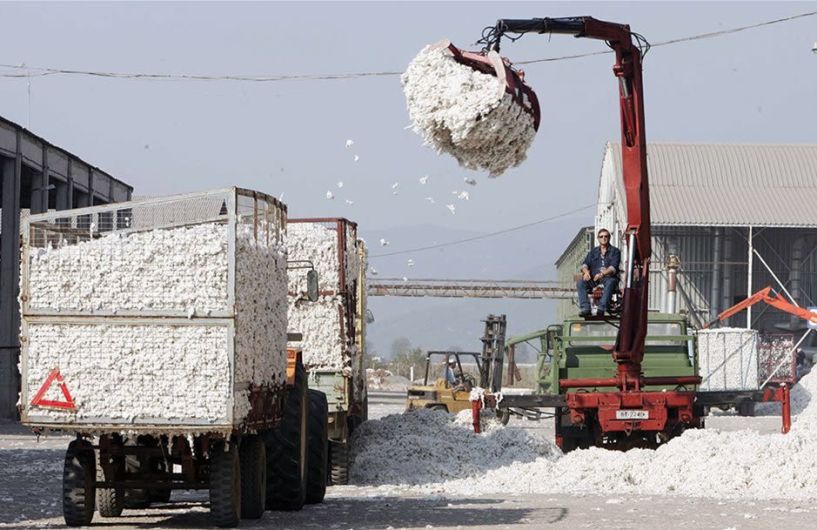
x=424, y=453
x=324, y=343
x=158, y=369
x=424, y=446
x=465, y=113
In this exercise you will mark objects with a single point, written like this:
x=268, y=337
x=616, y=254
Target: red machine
x=631, y=416
x=771, y=297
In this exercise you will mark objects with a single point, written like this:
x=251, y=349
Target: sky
x=289, y=137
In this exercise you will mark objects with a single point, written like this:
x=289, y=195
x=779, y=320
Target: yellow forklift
x=450, y=375
x=446, y=385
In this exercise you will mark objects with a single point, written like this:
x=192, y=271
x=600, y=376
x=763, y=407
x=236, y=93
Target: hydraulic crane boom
x=629, y=347
x=587, y=413
x=772, y=298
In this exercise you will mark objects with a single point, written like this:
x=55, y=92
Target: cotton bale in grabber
x=472, y=105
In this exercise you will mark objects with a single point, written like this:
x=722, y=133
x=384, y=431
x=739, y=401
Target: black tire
x=225, y=485
x=78, y=483
x=318, y=447
x=159, y=495
x=109, y=501
x=287, y=450
x=253, y=477
x=439, y=407
x=340, y=462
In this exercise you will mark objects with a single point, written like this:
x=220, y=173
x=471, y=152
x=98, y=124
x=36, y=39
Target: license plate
x=632, y=414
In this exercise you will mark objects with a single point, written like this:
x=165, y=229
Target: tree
x=371, y=359
x=402, y=363
x=400, y=345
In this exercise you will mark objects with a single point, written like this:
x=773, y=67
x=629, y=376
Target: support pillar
x=715, y=288
x=749, y=290
x=39, y=187
x=10, y=169
x=726, y=272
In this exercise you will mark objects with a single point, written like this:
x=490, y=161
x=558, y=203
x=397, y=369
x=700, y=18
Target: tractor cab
x=449, y=378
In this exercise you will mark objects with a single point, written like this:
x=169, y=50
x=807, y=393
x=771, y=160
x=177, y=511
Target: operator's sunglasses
x=604, y=236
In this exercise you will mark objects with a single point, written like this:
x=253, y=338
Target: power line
x=482, y=236
x=25, y=71
x=699, y=36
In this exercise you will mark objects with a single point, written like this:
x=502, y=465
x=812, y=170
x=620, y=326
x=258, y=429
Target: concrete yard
x=30, y=495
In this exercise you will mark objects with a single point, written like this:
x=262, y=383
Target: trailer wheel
x=253, y=477
x=746, y=407
x=109, y=501
x=225, y=485
x=340, y=462
x=78, y=488
x=318, y=447
x=503, y=415
x=287, y=451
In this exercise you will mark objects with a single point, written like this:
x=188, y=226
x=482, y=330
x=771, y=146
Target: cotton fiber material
x=465, y=113
x=137, y=372
x=319, y=244
x=325, y=343
x=424, y=446
x=120, y=371
x=728, y=359
x=319, y=323
x=700, y=463
x=261, y=301
x=181, y=269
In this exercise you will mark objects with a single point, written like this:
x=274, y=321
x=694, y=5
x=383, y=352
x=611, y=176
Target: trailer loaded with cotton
x=332, y=331
x=156, y=331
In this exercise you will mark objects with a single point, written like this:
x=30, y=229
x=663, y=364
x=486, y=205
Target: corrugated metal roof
x=729, y=184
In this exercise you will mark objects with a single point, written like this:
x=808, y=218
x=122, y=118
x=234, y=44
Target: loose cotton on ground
x=465, y=113
x=431, y=452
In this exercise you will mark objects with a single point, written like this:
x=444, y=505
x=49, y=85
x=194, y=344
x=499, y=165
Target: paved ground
x=30, y=474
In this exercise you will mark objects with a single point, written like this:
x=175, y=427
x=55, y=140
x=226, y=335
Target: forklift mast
x=493, y=353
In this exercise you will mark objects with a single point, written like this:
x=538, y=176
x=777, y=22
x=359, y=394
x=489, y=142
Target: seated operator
x=600, y=266
x=450, y=374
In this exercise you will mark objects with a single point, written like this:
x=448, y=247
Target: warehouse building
x=739, y=218
x=36, y=176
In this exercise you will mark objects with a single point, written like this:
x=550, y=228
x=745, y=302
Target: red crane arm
x=629, y=349
x=772, y=298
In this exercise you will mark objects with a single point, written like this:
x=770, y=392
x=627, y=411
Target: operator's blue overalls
x=596, y=262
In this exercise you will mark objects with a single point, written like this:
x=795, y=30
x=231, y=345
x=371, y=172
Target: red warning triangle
x=67, y=404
